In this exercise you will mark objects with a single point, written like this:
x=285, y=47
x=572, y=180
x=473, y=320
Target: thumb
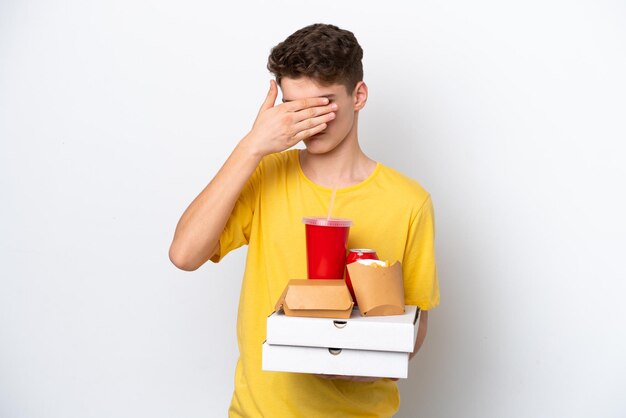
x=270, y=100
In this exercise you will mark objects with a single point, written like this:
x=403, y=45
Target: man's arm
x=197, y=234
x=421, y=333
x=275, y=129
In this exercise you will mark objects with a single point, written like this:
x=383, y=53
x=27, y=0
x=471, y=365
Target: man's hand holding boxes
x=317, y=327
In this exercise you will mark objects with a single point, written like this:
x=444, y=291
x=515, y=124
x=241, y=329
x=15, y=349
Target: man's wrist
x=247, y=147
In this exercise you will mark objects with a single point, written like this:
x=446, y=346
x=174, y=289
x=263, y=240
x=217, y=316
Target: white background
x=114, y=115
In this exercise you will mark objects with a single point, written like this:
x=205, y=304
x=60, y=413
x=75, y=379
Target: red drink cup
x=354, y=255
x=326, y=246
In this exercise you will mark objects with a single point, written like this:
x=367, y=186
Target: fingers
x=313, y=122
x=350, y=378
x=300, y=104
x=281, y=127
x=307, y=133
x=363, y=379
x=270, y=99
x=326, y=376
x=312, y=112
x=309, y=127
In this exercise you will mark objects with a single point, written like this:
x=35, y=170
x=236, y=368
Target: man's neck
x=344, y=166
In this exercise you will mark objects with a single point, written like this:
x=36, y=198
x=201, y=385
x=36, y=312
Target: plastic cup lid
x=327, y=222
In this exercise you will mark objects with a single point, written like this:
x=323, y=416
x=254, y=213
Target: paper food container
x=381, y=333
x=316, y=298
x=335, y=361
x=379, y=290
x=356, y=346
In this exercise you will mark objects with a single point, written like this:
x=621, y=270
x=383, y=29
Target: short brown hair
x=325, y=53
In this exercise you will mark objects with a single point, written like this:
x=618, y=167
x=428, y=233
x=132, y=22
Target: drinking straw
x=332, y=201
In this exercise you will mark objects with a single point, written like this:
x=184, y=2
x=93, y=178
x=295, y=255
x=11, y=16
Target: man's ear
x=360, y=95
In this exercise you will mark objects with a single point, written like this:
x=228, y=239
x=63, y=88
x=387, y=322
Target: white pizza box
x=335, y=361
x=379, y=333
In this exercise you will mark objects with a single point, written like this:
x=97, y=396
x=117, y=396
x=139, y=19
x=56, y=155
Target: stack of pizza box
x=316, y=329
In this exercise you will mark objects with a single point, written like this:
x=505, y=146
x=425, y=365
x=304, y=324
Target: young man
x=263, y=190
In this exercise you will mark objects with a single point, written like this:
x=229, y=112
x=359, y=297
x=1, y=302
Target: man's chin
x=314, y=138
x=321, y=143
x=315, y=148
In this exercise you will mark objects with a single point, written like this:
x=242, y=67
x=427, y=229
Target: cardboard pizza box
x=381, y=333
x=335, y=361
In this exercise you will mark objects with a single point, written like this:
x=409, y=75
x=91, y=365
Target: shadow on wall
x=453, y=355
x=453, y=360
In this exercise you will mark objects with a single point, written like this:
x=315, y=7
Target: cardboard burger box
x=329, y=337
x=316, y=298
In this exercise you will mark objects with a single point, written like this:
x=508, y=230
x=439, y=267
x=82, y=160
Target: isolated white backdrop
x=114, y=115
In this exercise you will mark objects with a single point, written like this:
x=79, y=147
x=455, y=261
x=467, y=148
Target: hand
x=278, y=128
x=353, y=378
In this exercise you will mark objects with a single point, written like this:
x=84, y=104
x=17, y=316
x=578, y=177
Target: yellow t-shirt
x=391, y=214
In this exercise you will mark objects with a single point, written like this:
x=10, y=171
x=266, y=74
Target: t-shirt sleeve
x=421, y=286
x=237, y=230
